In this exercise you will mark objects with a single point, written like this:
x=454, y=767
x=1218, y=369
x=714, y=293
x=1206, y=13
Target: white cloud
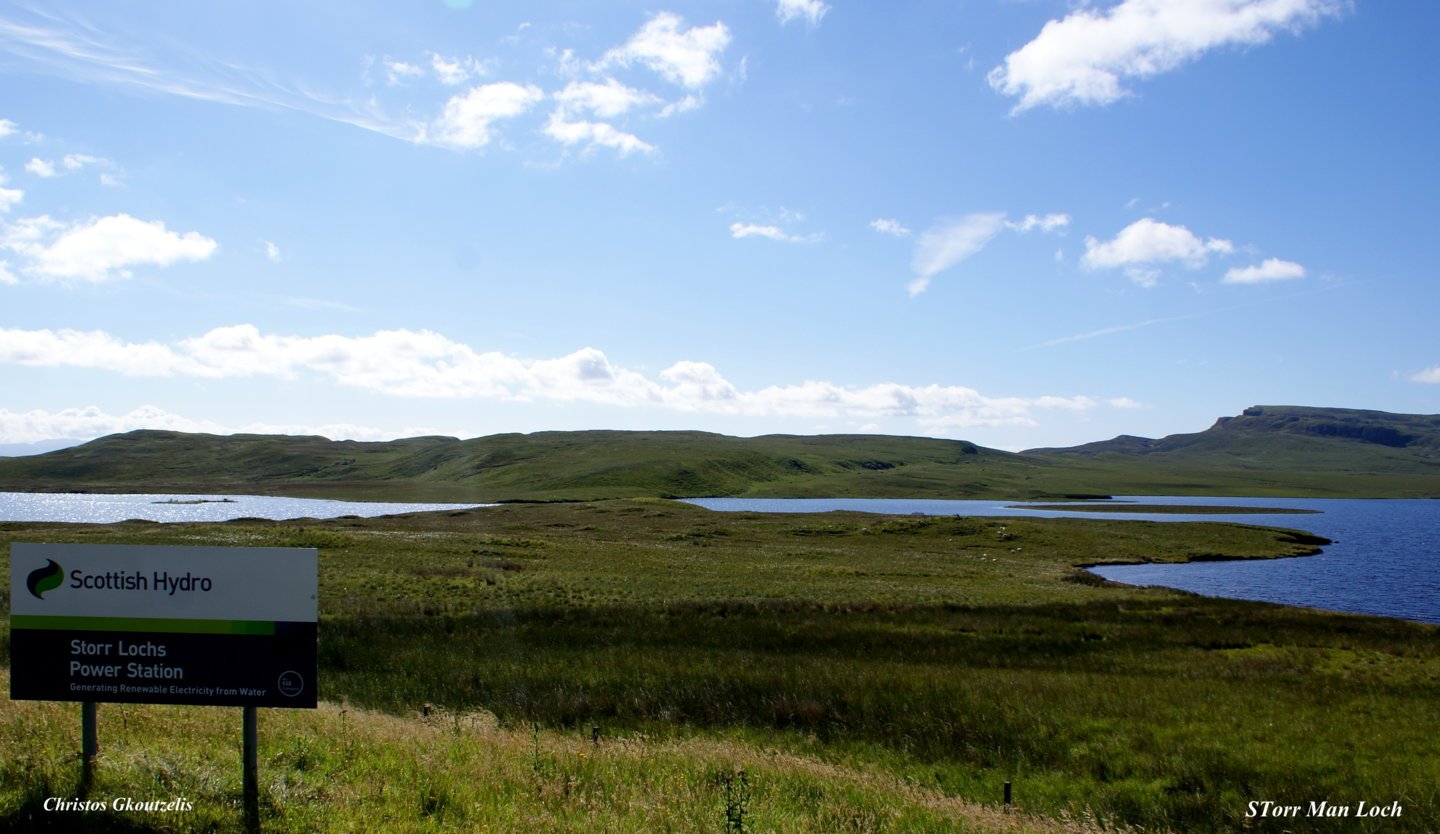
x=1143, y=276
x=570, y=132
x=744, y=230
x=687, y=57
x=1147, y=242
x=606, y=100
x=399, y=72
x=271, y=251
x=1429, y=375
x=76, y=161
x=423, y=364
x=7, y=128
x=948, y=243
x=1124, y=402
x=99, y=250
x=1046, y=223
x=453, y=71
x=1272, y=269
x=70, y=162
x=7, y=277
x=1084, y=58
x=111, y=181
x=8, y=196
x=40, y=167
x=808, y=10
x=91, y=422
x=466, y=120
x=889, y=227
x=684, y=105
x=85, y=349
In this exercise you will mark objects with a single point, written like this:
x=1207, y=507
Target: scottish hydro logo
x=45, y=579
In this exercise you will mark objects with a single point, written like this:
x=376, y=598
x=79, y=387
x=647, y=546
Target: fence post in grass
x=594, y=735
x=251, y=779
x=89, y=745
x=1007, y=794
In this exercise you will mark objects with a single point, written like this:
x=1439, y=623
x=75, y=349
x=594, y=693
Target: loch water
x=94, y=508
x=1384, y=560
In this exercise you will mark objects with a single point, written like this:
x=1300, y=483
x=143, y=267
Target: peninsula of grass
x=868, y=673
x=1166, y=509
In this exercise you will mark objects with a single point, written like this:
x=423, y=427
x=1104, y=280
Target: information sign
x=218, y=626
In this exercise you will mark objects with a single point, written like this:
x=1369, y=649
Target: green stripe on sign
x=150, y=624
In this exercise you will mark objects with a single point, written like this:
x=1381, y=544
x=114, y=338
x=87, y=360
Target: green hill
x=542, y=466
x=1278, y=450
x=1266, y=433
x=1266, y=450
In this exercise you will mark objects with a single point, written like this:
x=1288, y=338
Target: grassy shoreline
x=1167, y=509
x=950, y=654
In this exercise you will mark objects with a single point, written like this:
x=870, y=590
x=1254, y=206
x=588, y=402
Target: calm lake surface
x=1385, y=559
x=105, y=509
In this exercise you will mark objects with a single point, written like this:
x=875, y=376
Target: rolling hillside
x=542, y=466
x=1266, y=450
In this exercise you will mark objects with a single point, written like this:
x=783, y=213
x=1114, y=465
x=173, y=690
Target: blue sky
x=1018, y=223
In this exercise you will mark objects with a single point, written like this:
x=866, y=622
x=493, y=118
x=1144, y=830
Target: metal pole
x=89, y=745
x=251, y=778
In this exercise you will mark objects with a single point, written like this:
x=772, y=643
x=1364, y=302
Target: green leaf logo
x=45, y=579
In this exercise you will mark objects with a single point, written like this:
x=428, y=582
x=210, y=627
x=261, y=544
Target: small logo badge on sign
x=45, y=579
x=291, y=684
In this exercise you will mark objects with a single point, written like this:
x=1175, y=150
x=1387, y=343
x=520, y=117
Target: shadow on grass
x=31, y=815
x=929, y=680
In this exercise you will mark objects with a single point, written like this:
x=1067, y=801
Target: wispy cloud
x=71, y=48
x=450, y=111
x=810, y=11
x=1107, y=331
x=952, y=240
x=1046, y=223
x=744, y=230
x=890, y=227
x=949, y=242
x=400, y=72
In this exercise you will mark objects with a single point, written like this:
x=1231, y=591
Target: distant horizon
x=1022, y=225
x=56, y=444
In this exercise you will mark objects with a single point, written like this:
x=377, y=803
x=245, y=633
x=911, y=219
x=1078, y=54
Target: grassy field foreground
x=347, y=769
x=869, y=673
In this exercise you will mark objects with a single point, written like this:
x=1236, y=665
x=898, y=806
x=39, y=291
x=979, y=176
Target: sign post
x=210, y=626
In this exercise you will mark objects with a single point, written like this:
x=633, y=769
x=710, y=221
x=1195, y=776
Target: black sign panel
x=248, y=670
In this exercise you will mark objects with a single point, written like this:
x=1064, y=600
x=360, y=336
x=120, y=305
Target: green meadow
x=863, y=673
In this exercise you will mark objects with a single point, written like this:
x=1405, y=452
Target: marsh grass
x=937, y=656
x=341, y=768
